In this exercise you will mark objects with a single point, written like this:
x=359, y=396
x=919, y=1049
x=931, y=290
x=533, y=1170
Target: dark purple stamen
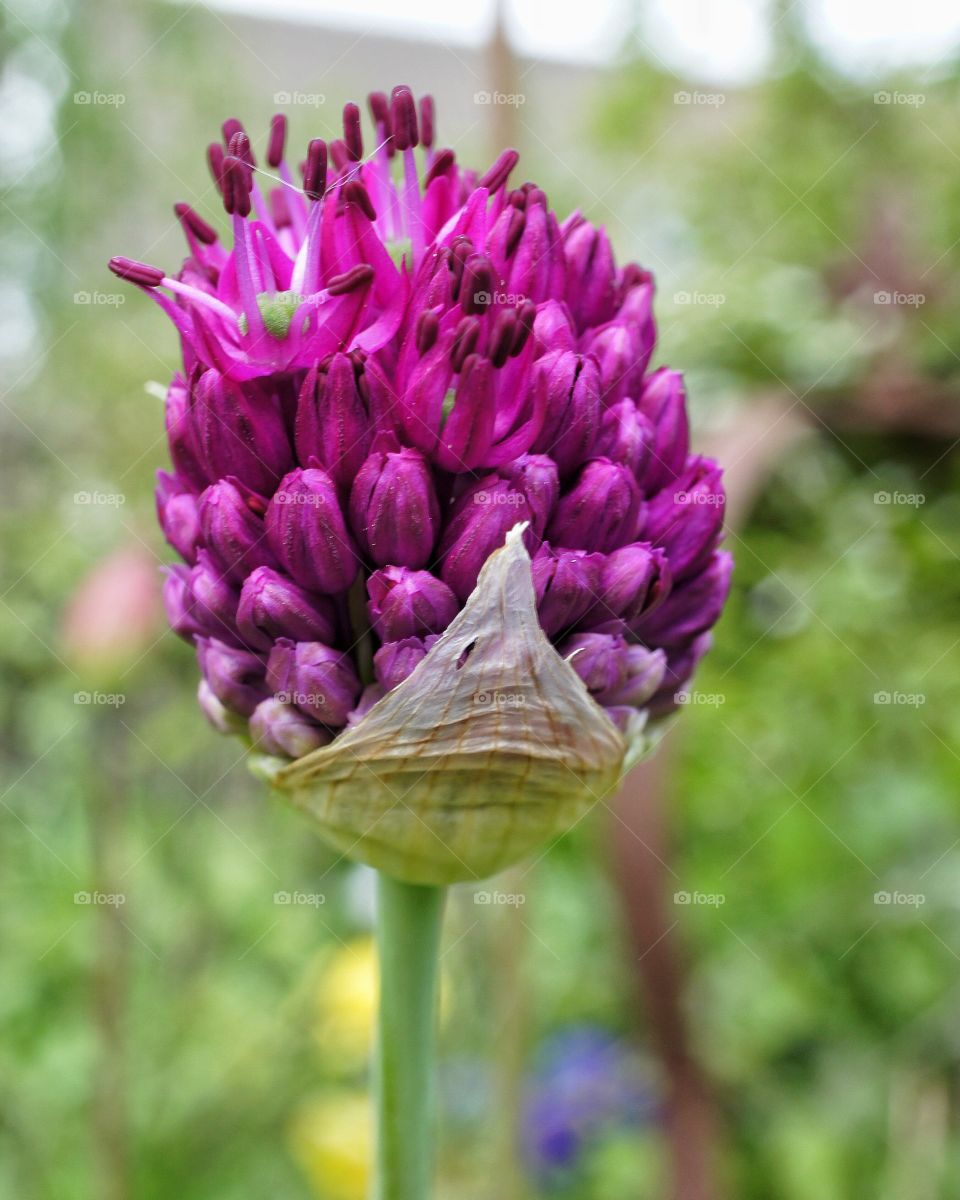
x=136, y=272
x=526, y=314
x=379, y=107
x=215, y=163
x=352, y=135
x=195, y=224
x=339, y=155
x=443, y=162
x=349, y=281
x=476, y=287
x=503, y=337
x=230, y=127
x=464, y=342
x=403, y=118
x=428, y=326
x=426, y=121
x=518, y=198
x=278, y=139
x=240, y=148
x=460, y=251
x=498, y=174
x=354, y=192
x=517, y=220
x=315, y=170
x=236, y=186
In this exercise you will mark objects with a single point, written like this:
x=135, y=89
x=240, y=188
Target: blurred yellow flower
x=346, y=1005
x=331, y=1137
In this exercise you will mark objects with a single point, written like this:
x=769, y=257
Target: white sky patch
x=721, y=41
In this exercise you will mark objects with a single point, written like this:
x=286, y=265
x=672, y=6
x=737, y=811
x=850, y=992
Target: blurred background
x=741, y=981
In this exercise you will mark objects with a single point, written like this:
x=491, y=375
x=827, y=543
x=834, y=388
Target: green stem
x=408, y=935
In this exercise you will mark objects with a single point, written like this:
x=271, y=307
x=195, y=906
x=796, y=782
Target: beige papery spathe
x=488, y=750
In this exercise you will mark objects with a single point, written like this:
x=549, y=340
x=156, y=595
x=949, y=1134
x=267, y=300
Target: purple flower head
x=391, y=362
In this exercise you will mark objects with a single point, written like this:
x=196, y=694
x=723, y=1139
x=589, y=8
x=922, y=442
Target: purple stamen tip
x=379, y=107
x=349, y=281
x=443, y=161
x=354, y=192
x=476, y=287
x=499, y=173
x=315, y=170
x=464, y=342
x=236, y=186
x=215, y=163
x=403, y=118
x=240, y=148
x=136, y=272
x=426, y=121
x=230, y=127
x=192, y=221
x=339, y=155
x=428, y=327
x=352, y=135
x=278, y=139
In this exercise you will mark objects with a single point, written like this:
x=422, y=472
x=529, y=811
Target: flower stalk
x=408, y=937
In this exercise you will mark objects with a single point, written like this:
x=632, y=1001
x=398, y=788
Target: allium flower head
x=398, y=362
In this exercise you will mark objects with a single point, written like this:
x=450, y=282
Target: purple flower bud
x=178, y=514
x=394, y=511
x=467, y=433
x=233, y=530
x=273, y=606
x=600, y=659
x=239, y=431
x=590, y=263
x=553, y=328
x=394, y=661
x=535, y=477
x=235, y=676
x=600, y=512
x=622, y=350
x=625, y=436
x=681, y=663
x=567, y=583
x=479, y=521
x=333, y=419
x=663, y=403
x=644, y=671
x=571, y=384
x=406, y=603
x=307, y=530
x=633, y=581
x=222, y=719
x=181, y=435
x=686, y=517
x=178, y=602
x=278, y=728
x=318, y=680
x=690, y=608
x=214, y=600
x=368, y=698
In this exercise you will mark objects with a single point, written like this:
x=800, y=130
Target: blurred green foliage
x=826, y=1019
